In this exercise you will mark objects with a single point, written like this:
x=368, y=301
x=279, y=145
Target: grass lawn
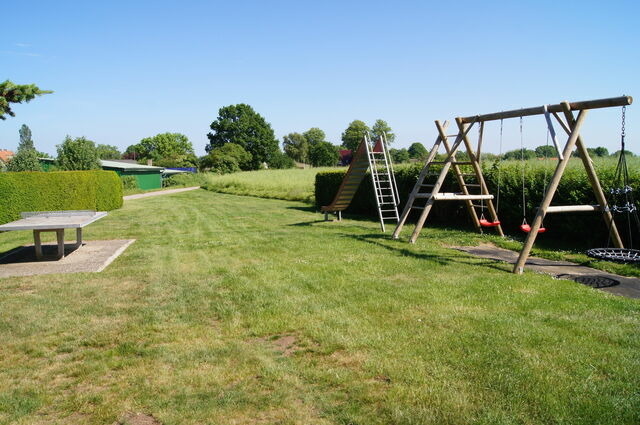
x=241, y=310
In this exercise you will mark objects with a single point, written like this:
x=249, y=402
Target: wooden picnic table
x=53, y=221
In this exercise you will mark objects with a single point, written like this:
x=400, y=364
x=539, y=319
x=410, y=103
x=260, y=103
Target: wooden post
x=593, y=179
x=463, y=186
x=479, y=176
x=551, y=191
x=438, y=184
x=416, y=188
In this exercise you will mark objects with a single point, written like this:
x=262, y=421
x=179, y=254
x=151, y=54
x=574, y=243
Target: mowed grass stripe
x=181, y=326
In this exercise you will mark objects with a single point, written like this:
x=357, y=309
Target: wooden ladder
x=432, y=193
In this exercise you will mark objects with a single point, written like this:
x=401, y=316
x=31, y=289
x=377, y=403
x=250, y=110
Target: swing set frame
x=571, y=124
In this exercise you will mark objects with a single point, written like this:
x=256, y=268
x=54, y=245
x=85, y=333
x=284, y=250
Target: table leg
x=60, y=236
x=79, y=237
x=37, y=242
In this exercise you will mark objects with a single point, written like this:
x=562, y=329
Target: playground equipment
x=622, y=203
x=433, y=193
x=571, y=126
x=377, y=160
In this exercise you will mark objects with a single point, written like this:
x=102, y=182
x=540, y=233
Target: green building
x=147, y=176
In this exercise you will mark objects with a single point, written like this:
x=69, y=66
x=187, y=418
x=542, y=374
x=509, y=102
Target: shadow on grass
x=443, y=260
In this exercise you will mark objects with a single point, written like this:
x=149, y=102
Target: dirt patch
x=131, y=418
x=285, y=345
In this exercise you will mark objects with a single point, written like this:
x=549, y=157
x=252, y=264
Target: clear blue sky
x=122, y=71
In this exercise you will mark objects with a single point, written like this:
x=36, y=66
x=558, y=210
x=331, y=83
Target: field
x=290, y=185
x=241, y=310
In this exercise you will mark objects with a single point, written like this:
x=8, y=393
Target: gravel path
x=159, y=192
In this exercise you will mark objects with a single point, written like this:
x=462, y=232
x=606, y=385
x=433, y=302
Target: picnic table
x=53, y=221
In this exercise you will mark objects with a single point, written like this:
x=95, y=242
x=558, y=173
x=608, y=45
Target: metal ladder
x=431, y=191
x=384, y=181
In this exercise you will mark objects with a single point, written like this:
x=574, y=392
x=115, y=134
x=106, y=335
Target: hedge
x=58, y=190
x=574, y=188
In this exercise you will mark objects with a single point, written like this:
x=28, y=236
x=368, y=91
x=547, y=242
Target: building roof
x=5, y=155
x=125, y=166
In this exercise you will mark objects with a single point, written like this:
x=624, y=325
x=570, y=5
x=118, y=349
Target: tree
x=26, y=157
x=399, y=155
x=15, y=93
x=314, y=136
x=108, y=152
x=380, y=127
x=26, y=142
x=296, y=147
x=229, y=158
x=417, y=151
x=518, y=154
x=353, y=135
x=324, y=154
x=171, y=147
x=279, y=160
x=599, y=151
x=546, y=151
x=241, y=125
x=77, y=154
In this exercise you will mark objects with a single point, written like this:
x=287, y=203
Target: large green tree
x=226, y=159
x=167, y=148
x=353, y=135
x=324, y=154
x=380, y=127
x=296, y=146
x=108, y=152
x=399, y=155
x=241, y=125
x=16, y=93
x=546, y=151
x=314, y=136
x=77, y=154
x=26, y=157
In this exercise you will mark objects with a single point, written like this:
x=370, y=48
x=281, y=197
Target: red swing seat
x=486, y=223
x=526, y=228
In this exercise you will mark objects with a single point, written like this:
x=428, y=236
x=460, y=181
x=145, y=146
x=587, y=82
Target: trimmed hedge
x=58, y=190
x=574, y=188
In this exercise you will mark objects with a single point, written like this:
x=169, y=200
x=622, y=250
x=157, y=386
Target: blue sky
x=122, y=71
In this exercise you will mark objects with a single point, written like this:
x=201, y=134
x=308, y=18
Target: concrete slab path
x=608, y=282
x=159, y=193
x=94, y=256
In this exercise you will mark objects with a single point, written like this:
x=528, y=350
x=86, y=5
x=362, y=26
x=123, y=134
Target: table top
x=52, y=220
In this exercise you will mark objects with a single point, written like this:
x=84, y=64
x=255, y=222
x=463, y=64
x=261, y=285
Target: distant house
x=346, y=156
x=5, y=155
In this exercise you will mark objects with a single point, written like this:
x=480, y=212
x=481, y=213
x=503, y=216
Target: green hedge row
x=58, y=190
x=574, y=189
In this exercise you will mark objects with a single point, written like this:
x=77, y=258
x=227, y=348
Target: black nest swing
x=623, y=203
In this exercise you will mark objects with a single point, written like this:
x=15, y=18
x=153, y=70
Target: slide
x=356, y=172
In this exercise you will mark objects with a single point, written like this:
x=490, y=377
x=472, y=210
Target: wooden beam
x=423, y=174
x=551, y=191
x=572, y=208
x=539, y=110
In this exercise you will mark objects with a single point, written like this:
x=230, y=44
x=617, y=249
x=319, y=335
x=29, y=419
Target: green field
x=241, y=310
x=291, y=185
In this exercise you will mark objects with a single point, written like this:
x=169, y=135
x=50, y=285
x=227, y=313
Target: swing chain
x=622, y=132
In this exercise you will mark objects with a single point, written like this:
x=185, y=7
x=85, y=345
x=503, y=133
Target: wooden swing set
x=570, y=124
